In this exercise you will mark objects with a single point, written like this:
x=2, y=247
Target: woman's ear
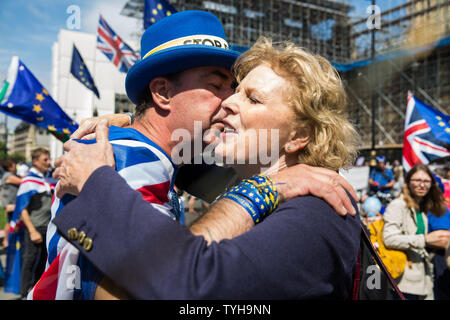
x=299, y=140
x=159, y=89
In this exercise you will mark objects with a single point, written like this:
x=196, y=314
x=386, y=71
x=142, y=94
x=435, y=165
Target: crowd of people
x=416, y=221
x=288, y=230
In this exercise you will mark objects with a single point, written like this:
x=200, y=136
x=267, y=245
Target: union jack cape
x=114, y=48
x=148, y=170
x=32, y=184
x=427, y=134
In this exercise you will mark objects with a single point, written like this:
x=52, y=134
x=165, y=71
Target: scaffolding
x=322, y=26
x=325, y=27
x=414, y=30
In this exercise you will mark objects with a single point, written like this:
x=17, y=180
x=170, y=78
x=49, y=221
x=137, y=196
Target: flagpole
x=6, y=136
x=66, y=94
x=93, y=77
x=373, y=98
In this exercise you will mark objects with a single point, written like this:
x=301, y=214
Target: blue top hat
x=181, y=41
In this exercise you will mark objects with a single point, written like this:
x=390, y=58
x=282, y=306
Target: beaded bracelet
x=257, y=195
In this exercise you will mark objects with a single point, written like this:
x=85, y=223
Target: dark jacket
x=303, y=250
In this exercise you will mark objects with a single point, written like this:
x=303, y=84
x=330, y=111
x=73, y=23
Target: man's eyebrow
x=218, y=73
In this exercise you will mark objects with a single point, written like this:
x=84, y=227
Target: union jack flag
x=148, y=170
x=32, y=184
x=114, y=48
x=427, y=134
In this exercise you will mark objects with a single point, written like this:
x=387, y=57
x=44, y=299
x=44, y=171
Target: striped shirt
x=148, y=170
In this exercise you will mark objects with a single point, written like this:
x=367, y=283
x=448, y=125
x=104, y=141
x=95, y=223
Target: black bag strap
x=380, y=263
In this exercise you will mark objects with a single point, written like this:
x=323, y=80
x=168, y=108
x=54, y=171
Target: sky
x=28, y=29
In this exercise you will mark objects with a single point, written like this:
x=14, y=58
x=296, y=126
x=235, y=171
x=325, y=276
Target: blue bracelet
x=266, y=188
x=254, y=196
x=254, y=213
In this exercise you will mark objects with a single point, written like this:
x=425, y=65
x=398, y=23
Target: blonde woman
x=406, y=227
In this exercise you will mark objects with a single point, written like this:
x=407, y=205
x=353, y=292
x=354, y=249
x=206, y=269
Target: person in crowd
x=302, y=250
x=441, y=284
x=406, y=229
x=10, y=184
x=33, y=203
x=398, y=177
x=381, y=178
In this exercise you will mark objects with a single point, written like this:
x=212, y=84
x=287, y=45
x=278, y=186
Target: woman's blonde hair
x=317, y=96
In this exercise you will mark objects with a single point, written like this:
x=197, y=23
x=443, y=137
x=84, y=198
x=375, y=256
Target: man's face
x=381, y=165
x=42, y=163
x=197, y=95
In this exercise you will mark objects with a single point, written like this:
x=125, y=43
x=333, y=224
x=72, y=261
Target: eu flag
x=438, y=122
x=81, y=72
x=24, y=97
x=155, y=10
x=427, y=134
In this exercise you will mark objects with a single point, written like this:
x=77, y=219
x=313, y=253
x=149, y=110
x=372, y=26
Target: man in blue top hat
x=381, y=178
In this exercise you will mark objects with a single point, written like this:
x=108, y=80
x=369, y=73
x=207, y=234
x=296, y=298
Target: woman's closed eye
x=253, y=100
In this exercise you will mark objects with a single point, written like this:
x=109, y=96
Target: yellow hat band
x=201, y=39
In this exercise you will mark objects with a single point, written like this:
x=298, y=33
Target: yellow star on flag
x=438, y=117
x=442, y=124
x=44, y=91
x=447, y=130
x=39, y=97
x=154, y=12
x=52, y=128
x=159, y=6
x=66, y=131
x=37, y=108
x=168, y=13
x=40, y=119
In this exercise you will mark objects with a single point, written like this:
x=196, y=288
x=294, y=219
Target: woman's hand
x=327, y=184
x=87, y=127
x=438, y=239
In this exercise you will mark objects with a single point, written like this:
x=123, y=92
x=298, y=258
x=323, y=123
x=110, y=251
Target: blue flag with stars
x=81, y=72
x=23, y=96
x=155, y=10
x=438, y=122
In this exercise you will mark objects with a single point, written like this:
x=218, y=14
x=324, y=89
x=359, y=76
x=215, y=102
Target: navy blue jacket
x=304, y=250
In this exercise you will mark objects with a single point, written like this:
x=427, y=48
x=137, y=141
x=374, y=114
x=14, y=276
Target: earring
x=288, y=148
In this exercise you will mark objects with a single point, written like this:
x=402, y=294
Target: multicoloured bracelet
x=257, y=195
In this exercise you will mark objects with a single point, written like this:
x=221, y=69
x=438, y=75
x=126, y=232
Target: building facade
x=73, y=97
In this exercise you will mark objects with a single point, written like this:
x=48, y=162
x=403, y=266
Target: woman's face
x=256, y=112
x=420, y=184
